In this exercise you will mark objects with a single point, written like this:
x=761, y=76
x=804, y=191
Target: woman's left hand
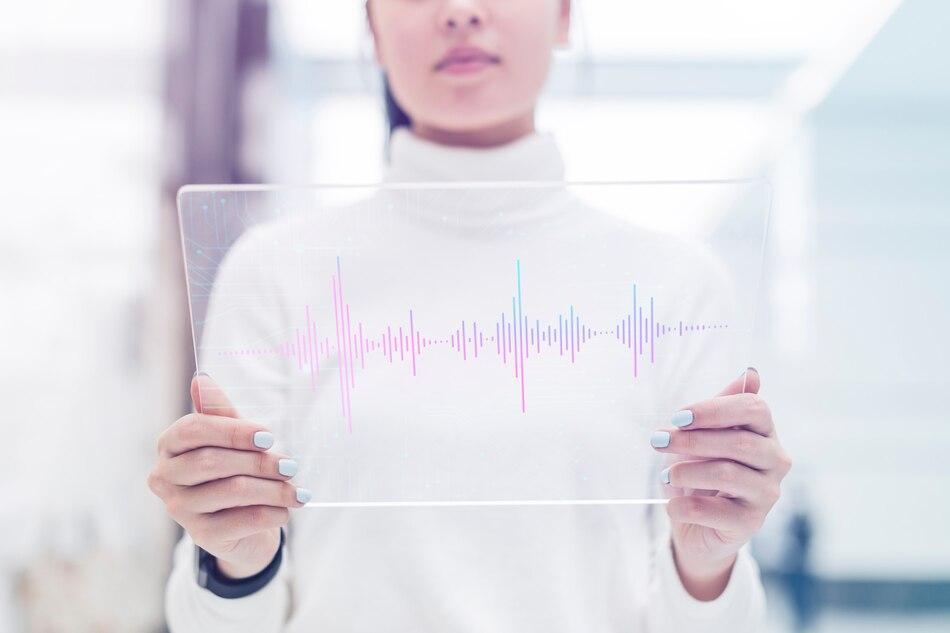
x=724, y=478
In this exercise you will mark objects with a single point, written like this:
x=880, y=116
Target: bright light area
x=746, y=29
x=92, y=26
x=657, y=139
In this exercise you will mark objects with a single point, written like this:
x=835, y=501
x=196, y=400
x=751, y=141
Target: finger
x=196, y=430
x=233, y=524
x=728, y=477
x=739, y=445
x=237, y=491
x=210, y=398
x=720, y=513
x=747, y=382
x=210, y=462
x=740, y=409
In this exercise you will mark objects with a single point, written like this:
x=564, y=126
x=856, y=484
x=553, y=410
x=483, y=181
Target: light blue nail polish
x=665, y=475
x=263, y=439
x=660, y=439
x=745, y=371
x=682, y=418
x=303, y=495
x=287, y=467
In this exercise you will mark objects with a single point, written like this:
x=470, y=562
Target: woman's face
x=466, y=65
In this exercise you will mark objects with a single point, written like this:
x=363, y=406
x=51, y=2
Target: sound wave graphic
x=510, y=339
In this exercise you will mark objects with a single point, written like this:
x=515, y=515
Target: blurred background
x=107, y=106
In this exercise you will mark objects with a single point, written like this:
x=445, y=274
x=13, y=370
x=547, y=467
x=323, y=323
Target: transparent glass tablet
x=473, y=343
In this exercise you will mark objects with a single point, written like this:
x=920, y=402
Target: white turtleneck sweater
x=472, y=568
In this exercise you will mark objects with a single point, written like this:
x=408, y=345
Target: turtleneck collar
x=532, y=157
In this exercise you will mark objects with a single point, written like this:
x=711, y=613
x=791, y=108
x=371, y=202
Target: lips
x=466, y=59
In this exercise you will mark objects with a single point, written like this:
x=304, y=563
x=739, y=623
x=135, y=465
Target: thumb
x=209, y=398
x=747, y=382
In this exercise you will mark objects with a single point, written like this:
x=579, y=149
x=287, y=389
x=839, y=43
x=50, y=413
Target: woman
x=465, y=78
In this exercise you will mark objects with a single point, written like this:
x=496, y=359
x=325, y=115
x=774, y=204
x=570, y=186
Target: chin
x=472, y=117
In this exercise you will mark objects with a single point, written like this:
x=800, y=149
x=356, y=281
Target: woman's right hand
x=221, y=484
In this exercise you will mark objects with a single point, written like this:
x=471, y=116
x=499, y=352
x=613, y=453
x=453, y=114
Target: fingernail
x=263, y=439
x=747, y=370
x=682, y=418
x=665, y=475
x=303, y=495
x=201, y=372
x=660, y=439
x=287, y=467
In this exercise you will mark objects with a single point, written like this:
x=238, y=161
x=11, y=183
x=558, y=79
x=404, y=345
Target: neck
x=491, y=136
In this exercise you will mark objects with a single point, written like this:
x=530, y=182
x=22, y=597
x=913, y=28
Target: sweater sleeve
x=699, y=374
x=739, y=609
x=240, y=312
x=190, y=607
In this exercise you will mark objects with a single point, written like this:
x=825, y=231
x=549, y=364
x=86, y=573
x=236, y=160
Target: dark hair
x=395, y=115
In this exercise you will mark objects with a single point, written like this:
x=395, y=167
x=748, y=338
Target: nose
x=459, y=15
